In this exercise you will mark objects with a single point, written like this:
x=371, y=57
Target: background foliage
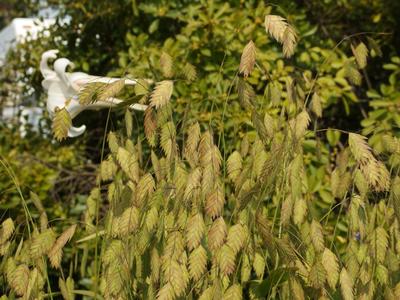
x=235, y=186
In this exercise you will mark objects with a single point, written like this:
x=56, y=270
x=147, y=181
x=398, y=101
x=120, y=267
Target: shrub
x=288, y=209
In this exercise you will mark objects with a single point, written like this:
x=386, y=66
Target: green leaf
x=274, y=279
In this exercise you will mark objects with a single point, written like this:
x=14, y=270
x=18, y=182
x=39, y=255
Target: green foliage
x=58, y=175
x=16, y=8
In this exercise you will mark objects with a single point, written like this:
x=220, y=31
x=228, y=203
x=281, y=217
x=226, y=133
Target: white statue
x=63, y=87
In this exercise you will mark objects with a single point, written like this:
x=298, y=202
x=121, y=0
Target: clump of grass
x=187, y=218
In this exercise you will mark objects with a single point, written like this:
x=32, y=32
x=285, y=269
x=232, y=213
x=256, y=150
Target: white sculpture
x=63, y=87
